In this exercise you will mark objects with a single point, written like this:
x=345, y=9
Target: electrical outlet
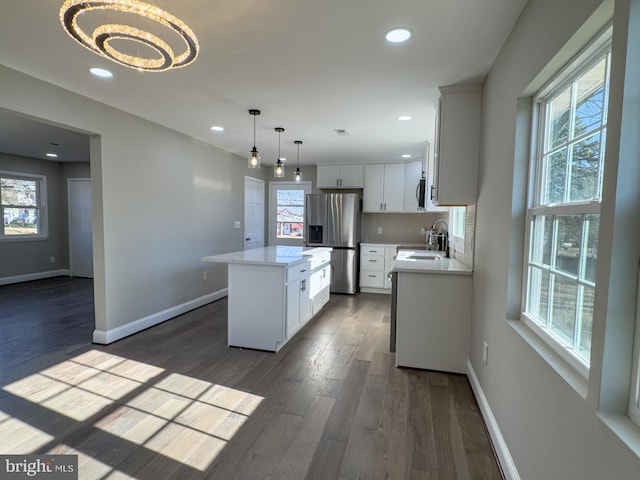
x=379, y=230
x=52, y=259
x=204, y=274
x=485, y=352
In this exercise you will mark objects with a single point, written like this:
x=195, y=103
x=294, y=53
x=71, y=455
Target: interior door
x=80, y=230
x=253, y=213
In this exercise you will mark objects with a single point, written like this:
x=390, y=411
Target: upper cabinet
x=383, y=188
x=340, y=176
x=457, y=145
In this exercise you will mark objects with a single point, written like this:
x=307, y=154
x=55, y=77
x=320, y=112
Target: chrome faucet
x=438, y=240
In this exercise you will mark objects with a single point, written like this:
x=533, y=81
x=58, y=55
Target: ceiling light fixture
x=405, y=118
x=217, y=128
x=101, y=41
x=100, y=72
x=298, y=174
x=406, y=155
x=52, y=155
x=254, y=156
x=278, y=167
x=398, y=35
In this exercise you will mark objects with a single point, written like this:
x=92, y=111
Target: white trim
x=42, y=204
x=273, y=188
x=105, y=337
x=27, y=277
x=558, y=345
x=505, y=460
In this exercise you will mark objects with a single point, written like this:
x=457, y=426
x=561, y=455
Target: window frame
x=598, y=48
x=457, y=237
x=273, y=188
x=41, y=206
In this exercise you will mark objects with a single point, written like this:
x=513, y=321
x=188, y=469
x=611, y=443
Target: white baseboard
x=34, y=276
x=105, y=337
x=504, y=456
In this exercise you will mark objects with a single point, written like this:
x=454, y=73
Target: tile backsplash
x=405, y=228
x=397, y=227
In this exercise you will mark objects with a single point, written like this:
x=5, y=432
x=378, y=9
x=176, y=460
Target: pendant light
x=278, y=167
x=298, y=174
x=254, y=156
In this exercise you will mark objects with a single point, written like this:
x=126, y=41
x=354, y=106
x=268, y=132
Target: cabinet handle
x=337, y=182
x=372, y=276
x=303, y=285
x=373, y=261
x=302, y=271
x=433, y=188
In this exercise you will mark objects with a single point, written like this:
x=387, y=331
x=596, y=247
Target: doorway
x=253, y=213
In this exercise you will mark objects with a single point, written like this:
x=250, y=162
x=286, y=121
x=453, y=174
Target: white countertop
x=444, y=265
x=274, y=256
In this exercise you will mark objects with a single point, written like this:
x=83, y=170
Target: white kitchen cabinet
x=273, y=293
x=383, y=188
x=340, y=176
x=457, y=145
x=298, y=304
x=319, y=284
x=376, y=261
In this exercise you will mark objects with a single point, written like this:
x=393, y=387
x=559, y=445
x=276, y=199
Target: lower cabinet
x=298, y=305
x=307, y=292
x=376, y=261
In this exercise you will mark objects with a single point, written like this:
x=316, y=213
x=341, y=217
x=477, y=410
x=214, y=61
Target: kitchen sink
x=423, y=256
x=415, y=254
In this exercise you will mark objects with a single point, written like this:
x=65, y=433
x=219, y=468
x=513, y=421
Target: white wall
x=161, y=201
x=552, y=432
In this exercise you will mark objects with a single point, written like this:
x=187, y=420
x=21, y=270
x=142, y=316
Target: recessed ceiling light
x=398, y=35
x=217, y=128
x=405, y=118
x=101, y=72
x=52, y=155
x=406, y=155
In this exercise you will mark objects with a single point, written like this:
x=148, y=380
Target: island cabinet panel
x=257, y=299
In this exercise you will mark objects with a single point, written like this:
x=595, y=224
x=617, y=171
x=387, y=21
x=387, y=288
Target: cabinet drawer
x=372, y=262
x=371, y=279
x=371, y=250
x=298, y=271
x=320, y=259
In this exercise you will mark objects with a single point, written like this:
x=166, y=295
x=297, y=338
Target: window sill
x=569, y=373
x=624, y=428
x=34, y=238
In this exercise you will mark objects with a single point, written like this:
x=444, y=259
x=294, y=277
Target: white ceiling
x=309, y=66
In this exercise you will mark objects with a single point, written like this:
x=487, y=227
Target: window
x=456, y=225
x=286, y=217
x=22, y=203
x=563, y=217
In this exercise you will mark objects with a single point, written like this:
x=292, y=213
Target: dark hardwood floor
x=174, y=402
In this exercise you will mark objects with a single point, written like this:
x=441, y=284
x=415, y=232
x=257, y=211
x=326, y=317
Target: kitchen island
x=431, y=311
x=273, y=293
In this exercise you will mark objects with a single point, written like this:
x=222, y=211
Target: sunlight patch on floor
x=182, y=418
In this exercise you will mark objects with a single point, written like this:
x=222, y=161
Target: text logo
x=49, y=467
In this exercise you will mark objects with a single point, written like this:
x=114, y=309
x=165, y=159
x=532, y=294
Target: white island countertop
x=411, y=261
x=274, y=256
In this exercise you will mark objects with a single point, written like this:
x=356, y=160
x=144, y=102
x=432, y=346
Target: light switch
x=236, y=224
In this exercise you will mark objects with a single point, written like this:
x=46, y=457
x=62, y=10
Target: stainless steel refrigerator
x=333, y=220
